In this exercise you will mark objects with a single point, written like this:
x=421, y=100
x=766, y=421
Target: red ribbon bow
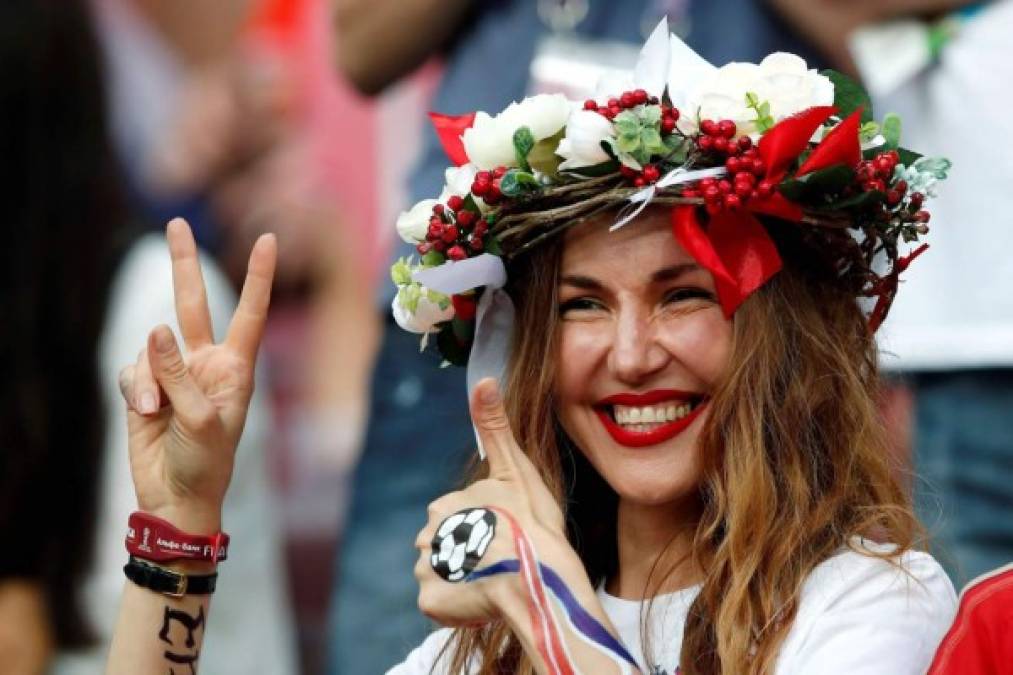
x=450, y=129
x=735, y=247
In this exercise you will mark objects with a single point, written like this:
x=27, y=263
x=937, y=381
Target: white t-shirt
x=857, y=615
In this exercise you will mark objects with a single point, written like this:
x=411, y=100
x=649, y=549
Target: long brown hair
x=795, y=467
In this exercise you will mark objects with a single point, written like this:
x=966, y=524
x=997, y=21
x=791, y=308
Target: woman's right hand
x=185, y=414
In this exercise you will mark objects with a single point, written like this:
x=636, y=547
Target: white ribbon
x=494, y=316
x=640, y=200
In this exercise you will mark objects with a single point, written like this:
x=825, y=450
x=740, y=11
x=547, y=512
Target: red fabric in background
x=980, y=642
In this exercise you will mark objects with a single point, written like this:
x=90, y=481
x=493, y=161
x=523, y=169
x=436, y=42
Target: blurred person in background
x=405, y=465
x=950, y=334
x=79, y=274
x=64, y=225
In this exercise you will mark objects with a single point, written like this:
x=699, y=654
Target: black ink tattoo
x=191, y=624
x=460, y=542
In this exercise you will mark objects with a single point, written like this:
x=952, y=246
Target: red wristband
x=151, y=538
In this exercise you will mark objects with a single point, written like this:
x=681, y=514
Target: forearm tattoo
x=183, y=652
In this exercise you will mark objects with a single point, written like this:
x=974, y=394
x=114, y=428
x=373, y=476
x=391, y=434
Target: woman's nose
x=636, y=353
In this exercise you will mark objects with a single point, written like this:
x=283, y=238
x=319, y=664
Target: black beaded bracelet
x=166, y=581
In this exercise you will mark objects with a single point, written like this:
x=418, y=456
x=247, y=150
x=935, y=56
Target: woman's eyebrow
x=673, y=272
x=579, y=281
x=664, y=274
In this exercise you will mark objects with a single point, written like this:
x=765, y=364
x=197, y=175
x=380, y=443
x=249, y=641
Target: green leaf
x=868, y=131
x=626, y=117
x=860, y=201
x=450, y=348
x=433, y=259
x=464, y=331
x=908, y=157
x=937, y=166
x=471, y=204
x=524, y=141
x=401, y=273
x=514, y=183
x=493, y=246
x=543, y=156
x=677, y=148
x=793, y=189
x=628, y=143
x=437, y=298
x=831, y=179
x=651, y=115
x=764, y=122
x=596, y=170
x=891, y=131
x=651, y=141
x=817, y=184
x=849, y=95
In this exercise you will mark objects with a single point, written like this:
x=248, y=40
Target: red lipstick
x=664, y=432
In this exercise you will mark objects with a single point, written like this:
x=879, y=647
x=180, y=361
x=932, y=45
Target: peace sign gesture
x=186, y=413
x=513, y=491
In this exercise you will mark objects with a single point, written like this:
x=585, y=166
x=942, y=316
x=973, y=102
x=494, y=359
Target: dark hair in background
x=62, y=224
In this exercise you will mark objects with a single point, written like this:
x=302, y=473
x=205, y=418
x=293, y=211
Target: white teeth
x=646, y=418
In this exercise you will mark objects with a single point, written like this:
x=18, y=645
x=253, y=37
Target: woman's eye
x=579, y=304
x=680, y=294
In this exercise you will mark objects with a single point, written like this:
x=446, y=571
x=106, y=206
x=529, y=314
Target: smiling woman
x=766, y=478
x=686, y=471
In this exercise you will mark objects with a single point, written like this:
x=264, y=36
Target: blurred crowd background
x=308, y=118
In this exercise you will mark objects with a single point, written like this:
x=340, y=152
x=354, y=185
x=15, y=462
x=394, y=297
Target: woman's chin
x=646, y=489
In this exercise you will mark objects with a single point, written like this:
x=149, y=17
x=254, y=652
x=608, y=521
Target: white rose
x=413, y=224
x=581, y=146
x=792, y=87
x=489, y=141
x=426, y=316
x=723, y=97
x=781, y=79
x=459, y=180
x=458, y=184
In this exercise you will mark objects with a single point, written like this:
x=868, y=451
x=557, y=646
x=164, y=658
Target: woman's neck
x=655, y=549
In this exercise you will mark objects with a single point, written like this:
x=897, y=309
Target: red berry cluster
x=486, y=185
x=744, y=182
x=627, y=100
x=649, y=174
x=875, y=174
x=454, y=230
x=719, y=137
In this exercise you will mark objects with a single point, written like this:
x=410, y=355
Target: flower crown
x=723, y=147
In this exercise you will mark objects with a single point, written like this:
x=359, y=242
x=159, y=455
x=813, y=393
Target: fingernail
x=163, y=340
x=489, y=395
x=147, y=405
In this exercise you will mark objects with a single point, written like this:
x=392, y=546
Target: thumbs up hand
x=513, y=487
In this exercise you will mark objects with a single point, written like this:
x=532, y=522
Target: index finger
x=188, y=286
x=247, y=325
x=493, y=429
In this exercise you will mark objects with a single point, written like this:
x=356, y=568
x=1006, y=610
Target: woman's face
x=643, y=342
